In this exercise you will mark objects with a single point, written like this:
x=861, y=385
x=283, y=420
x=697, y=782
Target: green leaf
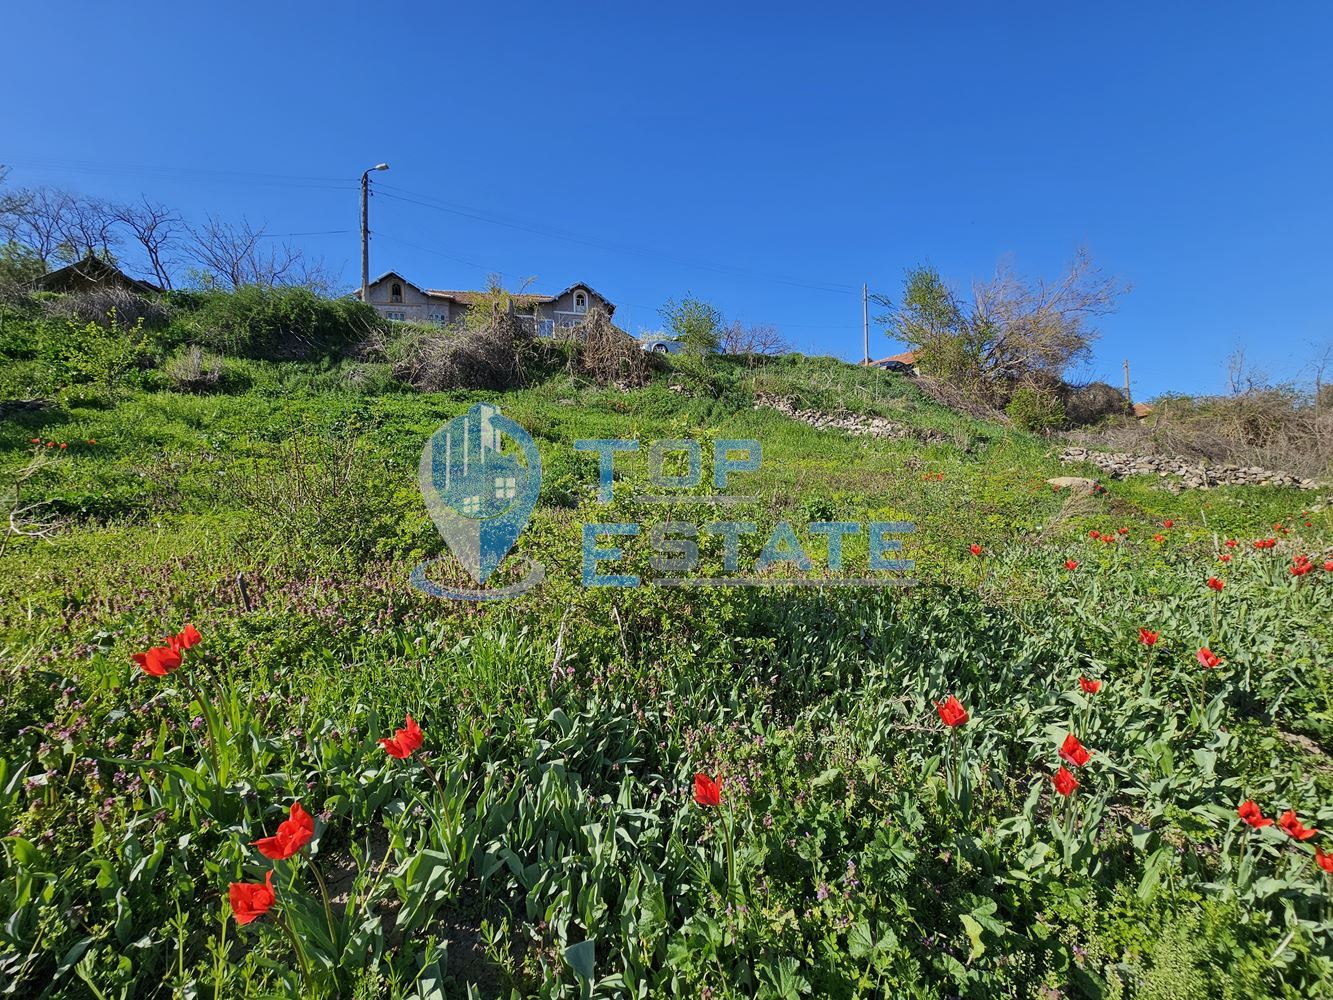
x=974, y=932
x=582, y=958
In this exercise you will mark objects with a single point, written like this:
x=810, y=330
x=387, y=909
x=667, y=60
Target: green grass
x=544, y=841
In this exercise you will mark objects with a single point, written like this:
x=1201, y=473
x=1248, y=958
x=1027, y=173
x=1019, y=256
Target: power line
x=437, y=253
x=165, y=172
x=426, y=201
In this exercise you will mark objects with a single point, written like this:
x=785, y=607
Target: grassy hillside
x=544, y=839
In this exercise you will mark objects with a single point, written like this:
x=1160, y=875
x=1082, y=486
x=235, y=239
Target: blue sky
x=769, y=158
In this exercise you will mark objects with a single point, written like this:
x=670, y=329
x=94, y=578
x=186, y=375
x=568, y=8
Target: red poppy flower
x=1159, y=538
x=1300, y=569
x=1294, y=827
x=158, y=661
x=64, y=444
x=1094, y=533
x=975, y=549
x=1324, y=861
x=1231, y=543
x=185, y=638
x=293, y=834
x=50, y=444
x=34, y=440
x=951, y=712
x=1215, y=584
x=1071, y=564
x=1148, y=637
x=1249, y=812
x=1108, y=539
x=707, y=792
x=1168, y=523
x=1224, y=557
x=1074, y=752
x=250, y=900
x=1065, y=783
x=1328, y=565
x=1089, y=686
x=1208, y=658
x=404, y=741
x=1122, y=531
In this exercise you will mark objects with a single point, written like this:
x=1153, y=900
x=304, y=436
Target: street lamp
x=365, y=230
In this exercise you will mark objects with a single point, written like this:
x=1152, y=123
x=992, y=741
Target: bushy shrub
x=276, y=323
x=1086, y=404
x=108, y=307
x=194, y=370
x=481, y=357
x=1033, y=410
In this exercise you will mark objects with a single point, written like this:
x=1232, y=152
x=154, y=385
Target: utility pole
x=865, y=321
x=365, y=230
x=1129, y=402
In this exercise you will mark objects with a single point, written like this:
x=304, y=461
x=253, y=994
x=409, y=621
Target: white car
x=661, y=344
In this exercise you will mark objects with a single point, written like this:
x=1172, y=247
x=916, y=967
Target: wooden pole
x=1129, y=400
x=365, y=237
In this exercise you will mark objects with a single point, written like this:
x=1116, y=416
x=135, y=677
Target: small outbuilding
x=89, y=273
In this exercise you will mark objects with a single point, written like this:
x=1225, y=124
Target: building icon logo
x=480, y=475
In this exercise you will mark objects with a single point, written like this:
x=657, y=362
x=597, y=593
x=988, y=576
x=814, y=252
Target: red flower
x=34, y=440
x=1065, y=783
x=1215, y=584
x=1324, y=861
x=1249, y=812
x=975, y=549
x=1168, y=523
x=1300, y=569
x=1231, y=543
x=64, y=444
x=1122, y=531
x=1094, y=533
x=1224, y=557
x=1294, y=827
x=1071, y=564
x=293, y=834
x=158, y=661
x=404, y=741
x=1159, y=538
x=1074, y=752
x=1208, y=659
x=250, y=900
x=1089, y=687
x=707, y=792
x=951, y=712
x=185, y=638
x=1328, y=565
x=1148, y=637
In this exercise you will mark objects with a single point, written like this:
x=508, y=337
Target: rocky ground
x=1193, y=475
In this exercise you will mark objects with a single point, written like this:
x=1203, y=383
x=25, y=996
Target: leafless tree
x=37, y=218
x=235, y=255
x=757, y=340
x=155, y=228
x=87, y=228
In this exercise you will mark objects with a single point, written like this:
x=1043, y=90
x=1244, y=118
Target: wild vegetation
x=241, y=756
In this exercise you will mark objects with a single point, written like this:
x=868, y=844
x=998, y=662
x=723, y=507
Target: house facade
x=396, y=298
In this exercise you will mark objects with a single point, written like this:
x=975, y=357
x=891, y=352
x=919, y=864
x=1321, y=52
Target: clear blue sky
x=767, y=157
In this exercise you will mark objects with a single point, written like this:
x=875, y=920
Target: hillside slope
x=545, y=838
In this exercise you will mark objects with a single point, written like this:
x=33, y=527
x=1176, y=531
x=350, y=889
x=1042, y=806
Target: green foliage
x=695, y=323
x=1034, y=410
x=278, y=323
x=19, y=266
x=543, y=841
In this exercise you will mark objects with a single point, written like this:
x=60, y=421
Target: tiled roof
x=472, y=298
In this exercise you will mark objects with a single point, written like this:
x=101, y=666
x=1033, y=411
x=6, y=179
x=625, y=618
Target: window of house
x=395, y=292
x=438, y=319
x=545, y=327
x=394, y=314
x=580, y=302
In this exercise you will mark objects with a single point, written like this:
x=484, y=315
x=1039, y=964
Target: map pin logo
x=477, y=491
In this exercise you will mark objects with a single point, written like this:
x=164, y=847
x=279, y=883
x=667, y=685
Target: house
x=394, y=297
x=904, y=363
x=92, y=272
